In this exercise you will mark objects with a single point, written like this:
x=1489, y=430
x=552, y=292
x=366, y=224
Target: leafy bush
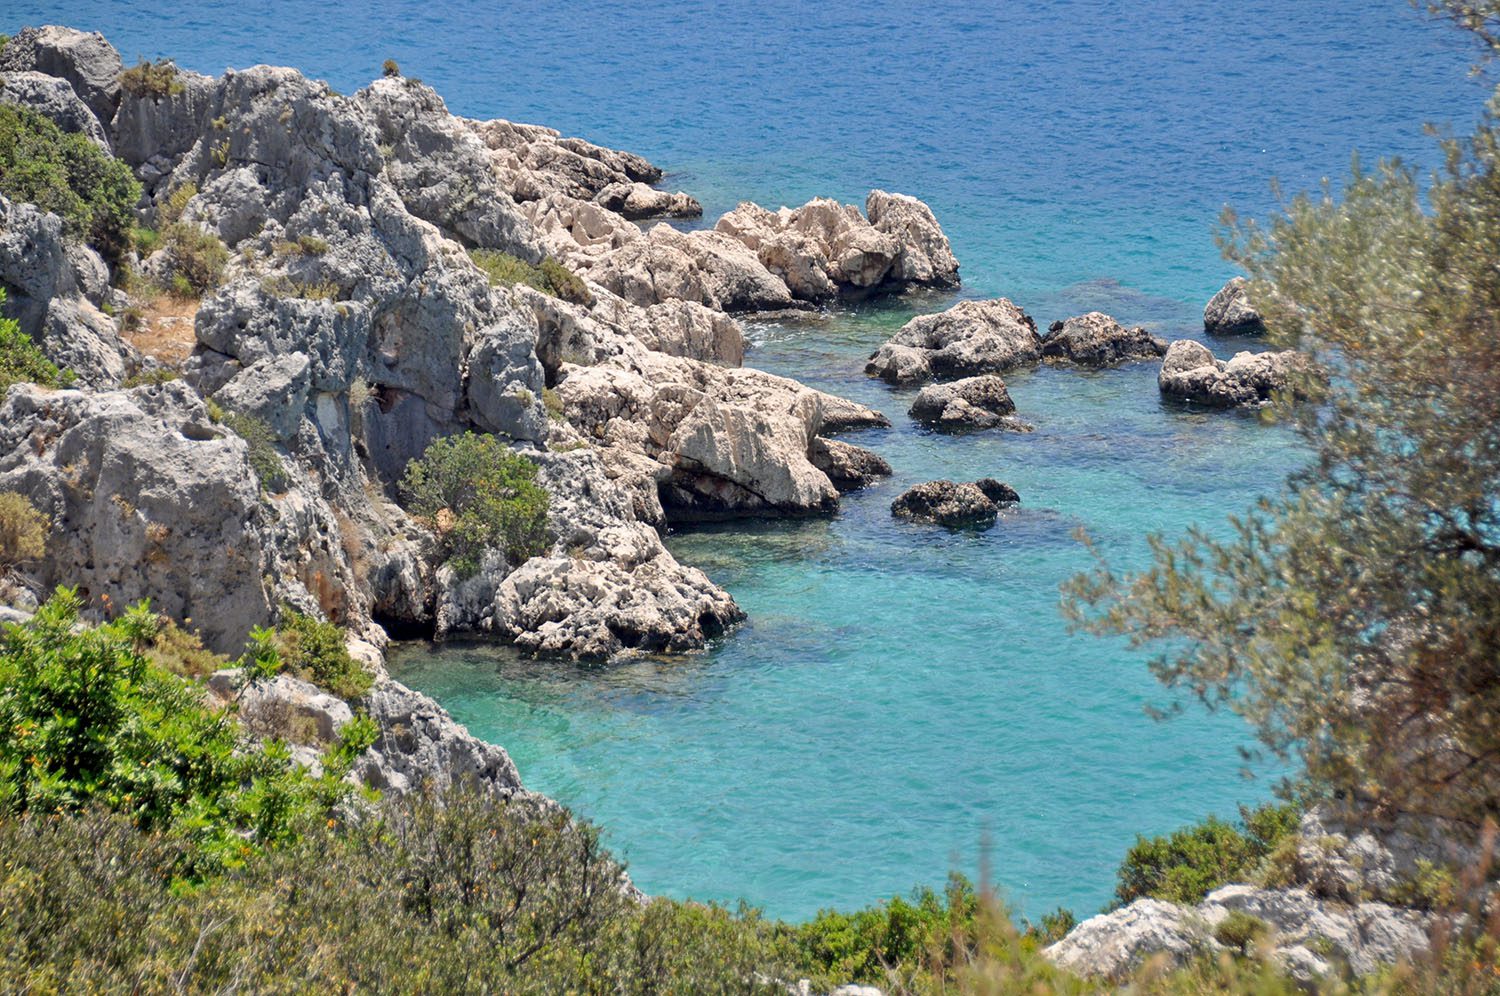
x=196, y=258
x=68, y=175
x=23, y=531
x=176, y=203
x=389, y=68
x=1239, y=930
x=22, y=361
x=1187, y=864
x=477, y=494
x=549, y=277
x=264, y=459
x=315, y=651
x=151, y=79
x=86, y=718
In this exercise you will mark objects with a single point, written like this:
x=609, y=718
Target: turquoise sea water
x=901, y=692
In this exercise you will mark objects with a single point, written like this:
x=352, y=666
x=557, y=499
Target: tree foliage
x=1354, y=618
x=68, y=175
x=1188, y=864
x=477, y=494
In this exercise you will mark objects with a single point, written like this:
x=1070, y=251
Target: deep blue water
x=900, y=691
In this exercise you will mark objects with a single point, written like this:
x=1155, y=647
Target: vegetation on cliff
x=477, y=494
x=68, y=175
x=21, y=360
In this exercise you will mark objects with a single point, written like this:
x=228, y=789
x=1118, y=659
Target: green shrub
x=1187, y=864
x=1239, y=931
x=22, y=361
x=553, y=403
x=176, y=203
x=86, y=718
x=389, y=68
x=477, y=494
x=68, y=175
x=155, y=375
x=196, y=259
x=550, y=277
x=151, y=79
x=315, y=651
x=23, y=531
x=264, y=459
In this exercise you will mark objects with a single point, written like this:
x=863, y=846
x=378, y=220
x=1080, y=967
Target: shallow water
x=901, y=691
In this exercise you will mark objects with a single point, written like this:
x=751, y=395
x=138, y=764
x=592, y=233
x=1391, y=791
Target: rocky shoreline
x=358, y=318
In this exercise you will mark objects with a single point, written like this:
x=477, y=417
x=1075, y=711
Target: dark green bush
x=549, y=277
x=315, y=651
x=475, y=493
x=22, y=361
x=1187, y=864
x=151, y=79
x=70, y=176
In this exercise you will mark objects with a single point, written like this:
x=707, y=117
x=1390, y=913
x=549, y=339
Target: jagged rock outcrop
x=970, y=338
x=1229, y=312
x=55, y=289
x=54, y=99
x=1097, y=340
x=824, y=249
x=417, y=745
x=709, y=268
x=965, y=405
x=441, y=168
x=1309, y=936
x=355, y=327
x=1192, y=374
x=849, y=467
x=88, y=63
x=606, y=586
x=955, y=505
x=147, y=499
x=637, y=200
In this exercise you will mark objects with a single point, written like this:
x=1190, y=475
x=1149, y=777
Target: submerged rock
x=1229, y=312
x=1190, y=373
x=955, y=505
x=971, y=403
x=970, y=338
x=1097, y=340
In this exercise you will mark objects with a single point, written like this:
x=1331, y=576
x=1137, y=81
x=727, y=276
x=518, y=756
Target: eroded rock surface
x=946, y=503
x=1192, y=374
x=970, y=338
x=1097, y=340
x=1229, y=312
x=965, y=405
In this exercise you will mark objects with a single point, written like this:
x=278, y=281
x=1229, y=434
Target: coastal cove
x=900, y=692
